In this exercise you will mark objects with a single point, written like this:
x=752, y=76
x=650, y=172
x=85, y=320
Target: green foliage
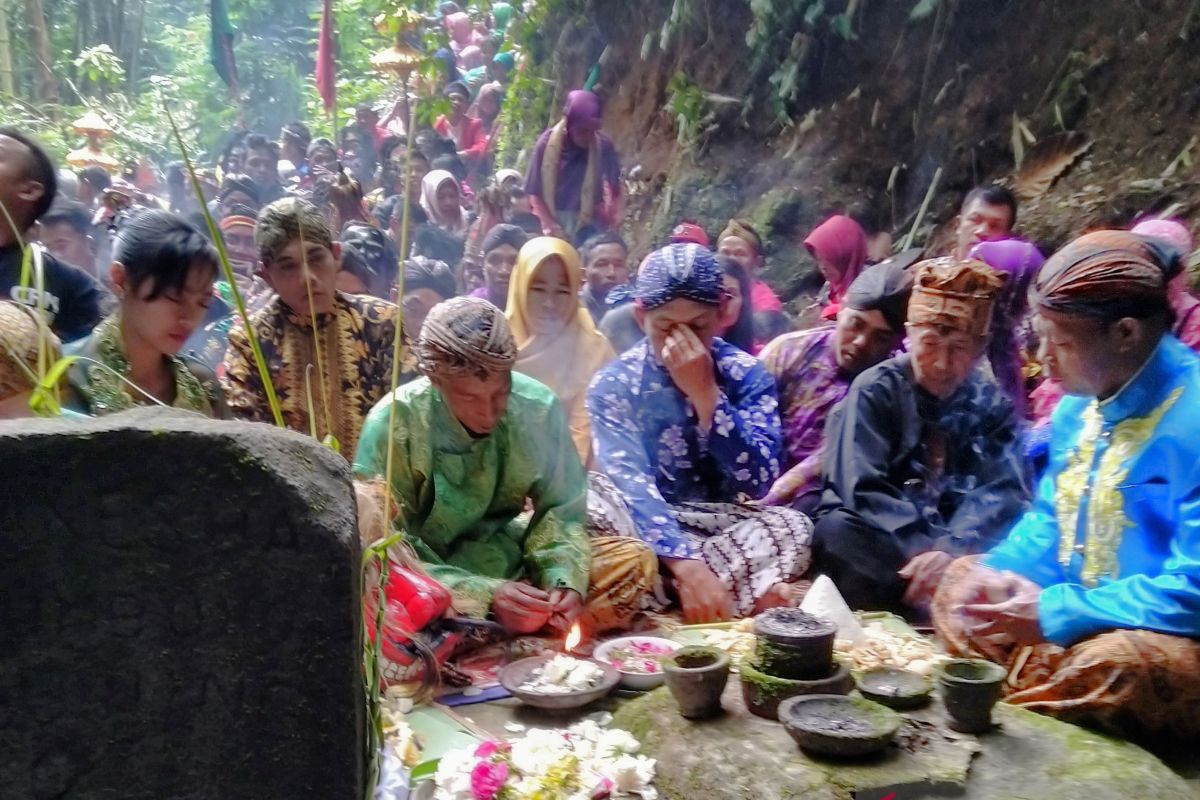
x=687, y=103
x=100, y=65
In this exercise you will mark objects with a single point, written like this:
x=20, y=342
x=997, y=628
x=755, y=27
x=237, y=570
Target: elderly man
x=813, y=370
x=687, y=428
x=1096, y=590
x=474, y=445
x=922, y=461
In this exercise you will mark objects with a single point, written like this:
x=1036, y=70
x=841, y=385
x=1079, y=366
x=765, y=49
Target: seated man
x=347, y=360
x=687, y=427
x=922, y=457
x=1101, y=577
x=605, y=266
x=500, y=248
x=474, y=444
x=813, y=370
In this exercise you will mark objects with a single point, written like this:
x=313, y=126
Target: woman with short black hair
x=162, y=272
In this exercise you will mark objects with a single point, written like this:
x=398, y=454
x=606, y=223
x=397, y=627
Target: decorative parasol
x=90, y=157
x=403, y=57
x=92, y=124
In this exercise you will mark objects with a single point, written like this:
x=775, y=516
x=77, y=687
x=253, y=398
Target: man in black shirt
x=69, y=297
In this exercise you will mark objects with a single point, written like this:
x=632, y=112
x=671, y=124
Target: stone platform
x=741, y=757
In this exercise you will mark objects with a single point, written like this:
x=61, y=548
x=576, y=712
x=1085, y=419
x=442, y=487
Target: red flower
x=487, y=779
x=487, y=749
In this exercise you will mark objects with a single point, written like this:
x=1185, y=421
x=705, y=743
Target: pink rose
x=487, y=749
x=487, y=779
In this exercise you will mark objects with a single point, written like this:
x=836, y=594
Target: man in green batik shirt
x=474, y=444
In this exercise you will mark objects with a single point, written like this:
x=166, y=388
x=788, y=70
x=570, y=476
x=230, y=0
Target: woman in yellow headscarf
x=559, y=345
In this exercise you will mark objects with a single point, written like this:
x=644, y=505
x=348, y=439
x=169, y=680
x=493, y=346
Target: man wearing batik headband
x=687, y=428
x=813, y=370
x=474, y=444
x=1096, y=590
x=921, y=458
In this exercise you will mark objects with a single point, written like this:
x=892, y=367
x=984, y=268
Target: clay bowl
x=513, y=676
x=896, y=688
x=763, y=693
x=837, y=726
x=639, y=681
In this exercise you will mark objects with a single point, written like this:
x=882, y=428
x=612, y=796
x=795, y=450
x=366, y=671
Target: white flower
x=453, y=778
x=742, y=475
x=633, y=774
x=614, y=743
x=537, y=751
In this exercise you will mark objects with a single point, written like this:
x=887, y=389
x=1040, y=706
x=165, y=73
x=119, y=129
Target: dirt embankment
x=1103, y=96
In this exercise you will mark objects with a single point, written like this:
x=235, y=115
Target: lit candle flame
x=574, y=637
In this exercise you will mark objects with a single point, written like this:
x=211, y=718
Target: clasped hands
x=523, y=608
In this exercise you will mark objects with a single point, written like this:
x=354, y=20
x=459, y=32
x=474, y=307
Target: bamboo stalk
x=912, y=232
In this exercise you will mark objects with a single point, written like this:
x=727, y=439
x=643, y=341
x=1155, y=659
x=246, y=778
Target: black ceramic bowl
x=896, y=688
x=837, y=726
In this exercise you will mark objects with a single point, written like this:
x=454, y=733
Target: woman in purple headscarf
x=1020, y=261
x=574, y=176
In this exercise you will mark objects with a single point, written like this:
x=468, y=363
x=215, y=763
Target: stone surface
x=741, y=757
x=179, y=612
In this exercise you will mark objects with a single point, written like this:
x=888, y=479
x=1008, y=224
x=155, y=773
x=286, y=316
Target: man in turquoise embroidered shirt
x=1093, y=600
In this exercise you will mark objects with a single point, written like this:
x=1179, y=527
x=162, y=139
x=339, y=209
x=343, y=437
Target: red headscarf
x=840, y=241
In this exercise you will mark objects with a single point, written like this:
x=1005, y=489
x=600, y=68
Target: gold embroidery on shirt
x=1106, y=519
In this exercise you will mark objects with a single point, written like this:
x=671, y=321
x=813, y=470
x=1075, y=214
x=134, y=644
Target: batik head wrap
x=743, y=230
x=884, y=288
x=954, y=294
x=466, y=336
x=1106, y=274
x=20, y=333
x=679, y=271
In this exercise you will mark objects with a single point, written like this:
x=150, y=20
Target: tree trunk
x=45, y=84
x=135, y=46
x=6, y=62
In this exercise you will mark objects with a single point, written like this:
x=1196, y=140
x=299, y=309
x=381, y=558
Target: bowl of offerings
x=558, y=682
x=838, y=726
x=896, y=688
x=638, y=659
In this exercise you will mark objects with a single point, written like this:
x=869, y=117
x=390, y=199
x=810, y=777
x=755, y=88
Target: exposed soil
x=894, y=106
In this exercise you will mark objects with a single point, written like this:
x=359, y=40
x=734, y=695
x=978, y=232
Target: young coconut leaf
x=264, y=373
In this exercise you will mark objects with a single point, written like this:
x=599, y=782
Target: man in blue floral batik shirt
x=922, y=461
x=687, y=427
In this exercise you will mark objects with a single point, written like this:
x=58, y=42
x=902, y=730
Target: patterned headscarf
x=20, y=331
x=686, y=271
x=1106, y=274
x=954, y=294
x=466, y=336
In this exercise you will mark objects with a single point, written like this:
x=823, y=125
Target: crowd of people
x=985, y=438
